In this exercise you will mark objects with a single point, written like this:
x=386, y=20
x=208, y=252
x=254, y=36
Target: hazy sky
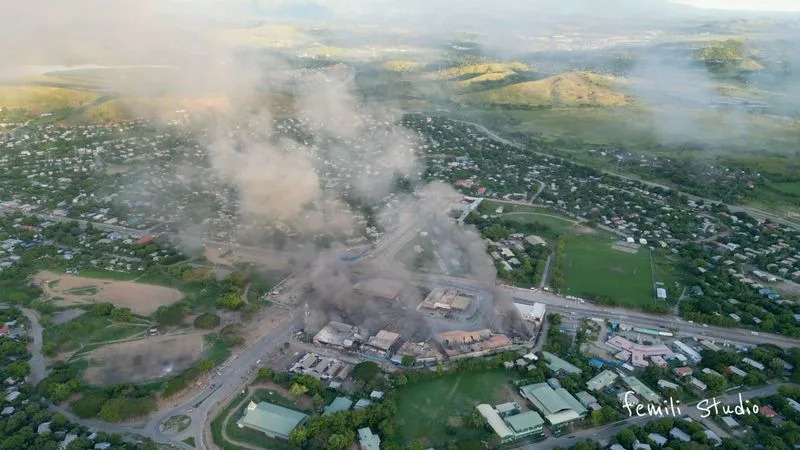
x=753, y=5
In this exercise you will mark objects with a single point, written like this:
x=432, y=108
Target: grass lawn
x=189, y=441
x=591, y=266
x=87, y=329
x=425, y=408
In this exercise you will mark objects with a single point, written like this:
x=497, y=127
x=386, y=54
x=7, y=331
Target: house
x=12, y=396
x=678, y=434
x=602, y=380
x=7, y=411
x=43, y=428
x=682, y=372
x=658, y=439
x=338, y=404
x=376, y=395
x=737, y=371
x=697, y=384
x=767, y=412
x=793, y=403
x=730, y=422
x=753, y=363
x=367, y=440
x=713, y=438
x=664, y=384
x=640, y=446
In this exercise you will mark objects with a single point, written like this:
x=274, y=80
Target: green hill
x=569, y=89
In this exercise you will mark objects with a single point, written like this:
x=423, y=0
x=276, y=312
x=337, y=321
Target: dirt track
x=141, y=298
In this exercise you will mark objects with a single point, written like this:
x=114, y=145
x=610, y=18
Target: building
x=713, y=438
x=636, y=352
x=658, y=439
x=697, y=384
x=367, y=440
x=422, y=352
x=661, y=293
x=512, y=427
x=641, y=389
x=753, y=363
x=463, y=344
x=557, y=405
x=688, y=351
x=338, y=404
x=380, y=287
x=557, y=364
x=384, y=341
x=678, y=434
x=588, y=400
x=602, y=380
x=532, y=313
x=681, y=372
x=273, y=420
x=664, y=384
x=730, y=422
x=338, y=334
x=767, y=412
x=446, y=299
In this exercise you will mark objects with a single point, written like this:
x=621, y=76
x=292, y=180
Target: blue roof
x=596, y=363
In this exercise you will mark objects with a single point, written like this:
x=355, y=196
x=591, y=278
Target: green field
x=592, y=268
x=424, y=409
x=84, y=330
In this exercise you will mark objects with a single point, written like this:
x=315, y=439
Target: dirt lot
x=144, y=359
x=141, y=298
x=274, y=262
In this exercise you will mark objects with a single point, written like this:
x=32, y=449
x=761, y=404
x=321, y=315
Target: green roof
x=641, y=389
x=525, y=421
x=544, y=398
x=338, y=404
x=272, y=419
x=557, y=364
x=601, y=380
x=573, y=402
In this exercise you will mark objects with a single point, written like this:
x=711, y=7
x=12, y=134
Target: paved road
x=230, y=379
x=561, y=304
x=604, y=434
x=37, y=360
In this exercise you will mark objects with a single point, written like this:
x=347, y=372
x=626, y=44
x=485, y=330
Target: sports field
x=592, y=268
x=424, y=409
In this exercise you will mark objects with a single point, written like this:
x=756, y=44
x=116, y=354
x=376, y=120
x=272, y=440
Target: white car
x=754, y=333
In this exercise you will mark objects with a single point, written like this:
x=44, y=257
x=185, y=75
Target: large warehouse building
x=338, y=334
x=558, y=406
x=380, y=287
x=273, y=420
x=509, y=424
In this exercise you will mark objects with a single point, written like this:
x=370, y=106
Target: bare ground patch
x=141, y=298
x=144, y=359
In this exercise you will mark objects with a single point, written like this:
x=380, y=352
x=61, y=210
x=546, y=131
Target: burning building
x=446, y=299
x=339, y=335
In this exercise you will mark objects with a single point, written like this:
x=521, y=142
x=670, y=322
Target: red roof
x=4, y=330
x=145, y=240
x=767, y=411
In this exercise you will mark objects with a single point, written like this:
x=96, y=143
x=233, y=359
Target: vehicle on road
x=754, y=333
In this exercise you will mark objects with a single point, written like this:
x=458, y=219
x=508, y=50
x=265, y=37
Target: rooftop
x=338, y=334
x=380, y=287
x=601, y=380
x=338, y=404
x=271, y=419
x=368, y=440
x=557, y=364
x=384, y=340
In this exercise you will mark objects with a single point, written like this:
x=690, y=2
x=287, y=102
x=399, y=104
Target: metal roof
x=271, y=418
x=557, y=364
x=338, y=404
x=495, y=421
x=525, y=421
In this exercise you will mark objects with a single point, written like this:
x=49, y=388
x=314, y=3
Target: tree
x=102, y=309
x=205, y=365
x=298, y=389
x=207, y=320
x=230, y=301
x=122, y=315
x=18, y=369
x=366, y=371
x=265, y=373
x=408, y=360
x=626, y=437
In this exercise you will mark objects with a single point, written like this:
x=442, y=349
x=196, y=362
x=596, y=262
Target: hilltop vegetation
x=468, y=70
x=37, y=99
x=569, y=89
x=730, y=54
x=399, y=65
